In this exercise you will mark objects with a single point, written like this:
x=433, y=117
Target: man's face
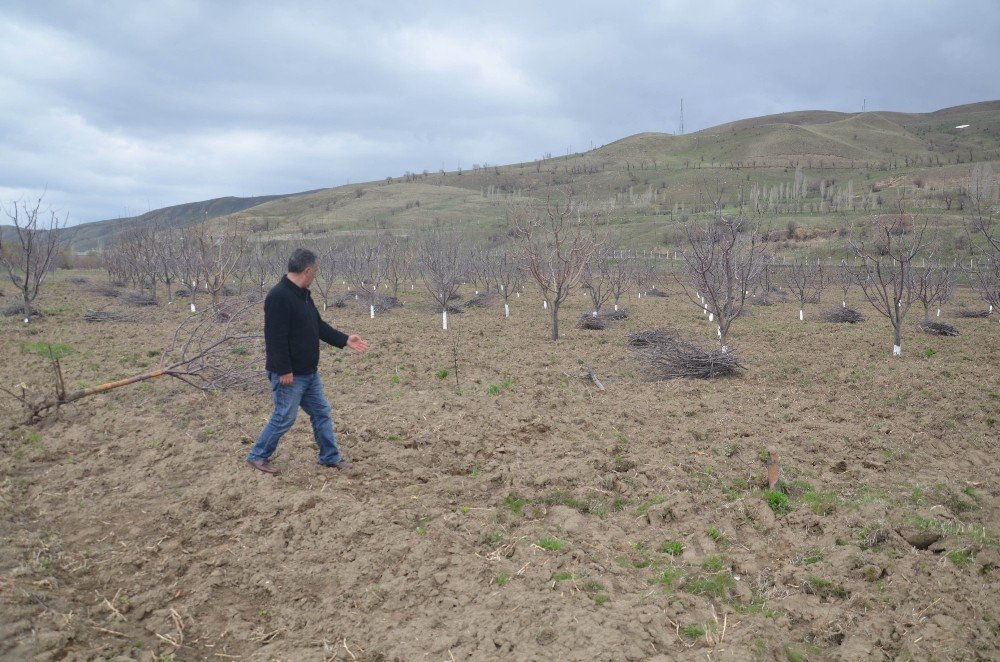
x=309, y=274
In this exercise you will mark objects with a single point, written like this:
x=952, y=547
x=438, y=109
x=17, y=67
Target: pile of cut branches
x=648, y=338
x=842, y=316
x=139, y=299
x=613, y=315
x=108, y=316
x=672, y=357
x=590, y=322
x=656, y=293
x=972, y=314
x=106, y=290
x=938, y=328
x=482, y=300
x=17, y=310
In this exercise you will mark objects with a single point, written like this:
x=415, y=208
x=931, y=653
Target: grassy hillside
x=851, y=165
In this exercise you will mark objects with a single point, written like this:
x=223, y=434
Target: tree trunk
x=554, y=312
x=897, y=348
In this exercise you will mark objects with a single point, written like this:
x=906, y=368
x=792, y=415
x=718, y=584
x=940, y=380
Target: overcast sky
x=119, y=107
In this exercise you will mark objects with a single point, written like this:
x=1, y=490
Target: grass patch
x=646, y=505
x=821, y=503
x=669, y=577
x=560, y=498
x=551, y=544
x=672, y=547
x=442, y=373
x=47, y=350
x=513, y=503
x=713, y=586
x=563, y=576
x=824, y=588
x=714, y=563
x=778, y=501
x=960, y=557
x=692, y=631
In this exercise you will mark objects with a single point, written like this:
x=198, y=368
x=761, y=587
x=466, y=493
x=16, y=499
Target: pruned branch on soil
x=205, y=353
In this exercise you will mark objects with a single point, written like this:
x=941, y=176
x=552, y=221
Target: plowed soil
x=520, y=514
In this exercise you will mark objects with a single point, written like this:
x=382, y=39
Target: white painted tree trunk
x=373, y=310
x=444, y=320
x=939, y=312
x=545, y=305
x=616, y=307
x=802, y=315
x=843, y=304
x=192, y=308
x=506, y=310
x=897, y=350
x=711, y=317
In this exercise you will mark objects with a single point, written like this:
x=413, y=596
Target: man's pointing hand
x=357, y=343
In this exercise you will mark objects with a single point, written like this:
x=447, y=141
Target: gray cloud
x=120, y=107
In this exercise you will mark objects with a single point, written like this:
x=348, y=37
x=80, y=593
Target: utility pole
x=682, y=116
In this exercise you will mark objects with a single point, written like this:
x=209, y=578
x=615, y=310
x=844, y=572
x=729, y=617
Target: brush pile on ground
x=600, y=321
x=938, y=328
x=664, y=355
x=482, y=300
x=108, y=316
x=972, y=314
x=842, y=316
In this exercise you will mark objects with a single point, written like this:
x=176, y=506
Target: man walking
x=292, y=331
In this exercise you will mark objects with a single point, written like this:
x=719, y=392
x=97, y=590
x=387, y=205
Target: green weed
x=777, y=500
x=692, y=631
x=47, y=350
x=513, y=503
x=551, y=544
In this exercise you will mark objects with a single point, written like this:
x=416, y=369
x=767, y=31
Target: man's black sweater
x=293, y=329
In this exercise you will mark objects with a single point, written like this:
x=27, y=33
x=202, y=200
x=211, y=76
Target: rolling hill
x=647, y=181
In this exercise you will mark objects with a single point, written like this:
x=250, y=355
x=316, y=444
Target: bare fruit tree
x=328, y=261
x=365, y=266
x=439, y=256
x=984, y=199
x=846, y=279
x=596, y=280
x=507, y=274
x=722, y=263
x=555, y=248
x=219, y=254
x=886, y=277
x=29, y=261
x=620, y=269
x=805, y=281
x=934, y=286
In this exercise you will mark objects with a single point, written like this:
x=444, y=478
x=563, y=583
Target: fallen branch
x=589, y=372
x=203, y=353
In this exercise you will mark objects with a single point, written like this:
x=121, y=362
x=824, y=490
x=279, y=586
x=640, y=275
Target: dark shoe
x=265, y=466
x=343, y=465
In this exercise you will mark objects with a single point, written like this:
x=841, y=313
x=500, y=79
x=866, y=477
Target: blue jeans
x=306, y=391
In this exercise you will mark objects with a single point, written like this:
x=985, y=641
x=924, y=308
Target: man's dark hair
x=300, y=259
